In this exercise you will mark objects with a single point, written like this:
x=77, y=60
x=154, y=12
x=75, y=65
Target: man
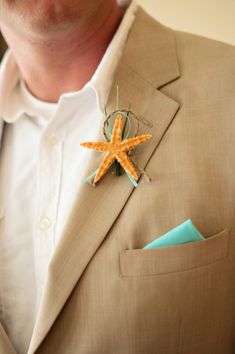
x=74, y=275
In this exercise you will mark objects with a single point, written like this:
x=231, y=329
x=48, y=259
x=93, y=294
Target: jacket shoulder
x=202, y=53
x=206, y=84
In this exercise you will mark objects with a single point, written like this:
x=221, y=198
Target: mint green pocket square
x=183, y=233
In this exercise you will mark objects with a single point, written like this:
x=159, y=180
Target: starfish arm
x=131, y=143
x=117, y=129
x=126, y=164
x=99, y=146
x=104, y=166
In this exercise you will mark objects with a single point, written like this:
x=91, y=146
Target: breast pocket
x=144, y=262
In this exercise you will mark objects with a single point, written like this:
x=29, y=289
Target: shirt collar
x=11, y=108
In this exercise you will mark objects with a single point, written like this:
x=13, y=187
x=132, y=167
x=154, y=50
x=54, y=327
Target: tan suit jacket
x=106, y=295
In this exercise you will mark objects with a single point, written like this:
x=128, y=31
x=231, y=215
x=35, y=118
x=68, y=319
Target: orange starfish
x=116, y=149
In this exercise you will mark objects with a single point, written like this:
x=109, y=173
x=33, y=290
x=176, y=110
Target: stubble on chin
x=53, y=19
x=36, y=16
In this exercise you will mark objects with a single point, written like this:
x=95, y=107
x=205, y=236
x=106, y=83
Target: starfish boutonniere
x=116, y=149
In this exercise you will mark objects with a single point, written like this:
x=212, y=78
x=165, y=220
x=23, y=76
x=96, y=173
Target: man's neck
x=53, y=66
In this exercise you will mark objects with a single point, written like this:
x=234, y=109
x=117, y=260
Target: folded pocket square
x=183, y=233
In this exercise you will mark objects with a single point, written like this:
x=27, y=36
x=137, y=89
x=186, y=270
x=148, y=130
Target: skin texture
x=58, y=44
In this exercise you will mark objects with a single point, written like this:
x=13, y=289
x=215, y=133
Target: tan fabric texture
x=104, y=293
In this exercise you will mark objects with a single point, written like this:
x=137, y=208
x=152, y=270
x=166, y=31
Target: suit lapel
x=138, y=75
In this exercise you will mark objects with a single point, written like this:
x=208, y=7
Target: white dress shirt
x=41, y=168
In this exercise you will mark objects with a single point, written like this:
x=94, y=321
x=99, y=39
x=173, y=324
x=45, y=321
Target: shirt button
x=45, y=223
x=52, y=140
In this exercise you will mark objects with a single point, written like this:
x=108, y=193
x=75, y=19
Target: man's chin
x=42, y=18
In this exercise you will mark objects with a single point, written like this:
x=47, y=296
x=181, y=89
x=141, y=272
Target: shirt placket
x=49, y=176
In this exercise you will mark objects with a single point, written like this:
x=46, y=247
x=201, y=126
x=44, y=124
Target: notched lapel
x=94, y=210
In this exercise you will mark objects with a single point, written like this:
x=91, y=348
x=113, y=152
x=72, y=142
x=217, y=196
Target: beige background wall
x=210, y=18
